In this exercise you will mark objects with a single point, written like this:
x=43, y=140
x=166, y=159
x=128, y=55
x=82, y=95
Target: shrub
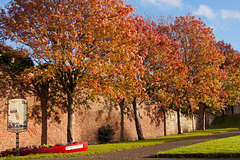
x=105, y=134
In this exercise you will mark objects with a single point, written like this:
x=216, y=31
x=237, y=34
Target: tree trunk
x=71, y=118
x=43, y=93
x=179, y=121
x=232, y=110
x=121, y=104
x=165, y=122
x=203, y=119
x=223, y=113
x=44, y=108
x=137, y=120
x=193, y=126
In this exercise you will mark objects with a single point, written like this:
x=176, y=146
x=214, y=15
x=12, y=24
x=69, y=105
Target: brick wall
x=88, y=120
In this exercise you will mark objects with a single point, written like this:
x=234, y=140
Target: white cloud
x=230, y=14
x=206, y=11
x=223, y=14
x=164, y=3
x=220, y=19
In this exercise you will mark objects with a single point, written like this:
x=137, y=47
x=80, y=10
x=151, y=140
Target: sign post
x=17, y=118
x=17, y=143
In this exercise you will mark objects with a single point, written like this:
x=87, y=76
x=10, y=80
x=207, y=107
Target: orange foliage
x=202, y=59
x=76, y=39
x=231, y=68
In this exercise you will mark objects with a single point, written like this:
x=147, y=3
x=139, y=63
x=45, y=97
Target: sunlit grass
x=226, y=147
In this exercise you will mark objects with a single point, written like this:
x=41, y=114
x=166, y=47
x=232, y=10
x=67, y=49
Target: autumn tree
x=12, y=65
x=160, y=71
x=78, y=39
x=166, y=75
x=159, y=62
x=150, y=48
x=144, y=31
x=155, y=52
x=124, y=85
x=231, y=68
x=15, y=83
x=41, y=90
x=202, y=58
x=48, y=93
x=121, y=82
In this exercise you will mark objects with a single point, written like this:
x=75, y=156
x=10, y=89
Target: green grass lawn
x=105, y=148
x=221, y=148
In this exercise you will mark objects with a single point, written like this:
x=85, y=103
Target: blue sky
x=222, y=15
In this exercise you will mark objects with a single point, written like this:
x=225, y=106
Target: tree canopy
x=101, y=47
x=202, y=59
x=80, y=40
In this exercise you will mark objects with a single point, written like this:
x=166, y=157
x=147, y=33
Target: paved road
x=146, y=153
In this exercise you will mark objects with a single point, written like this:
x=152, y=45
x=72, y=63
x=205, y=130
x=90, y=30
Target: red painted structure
x=77, y=147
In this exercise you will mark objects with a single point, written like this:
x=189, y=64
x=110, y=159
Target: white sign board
x=17, y=115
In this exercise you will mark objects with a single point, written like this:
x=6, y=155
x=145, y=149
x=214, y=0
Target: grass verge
x=221, y=148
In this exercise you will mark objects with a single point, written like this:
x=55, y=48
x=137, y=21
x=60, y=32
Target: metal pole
x=17, y=143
